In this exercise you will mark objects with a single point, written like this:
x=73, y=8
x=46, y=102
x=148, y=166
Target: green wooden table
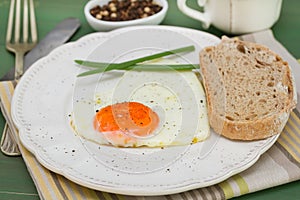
x=15, y=182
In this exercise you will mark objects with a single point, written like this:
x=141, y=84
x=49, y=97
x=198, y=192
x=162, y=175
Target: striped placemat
x=279, y=165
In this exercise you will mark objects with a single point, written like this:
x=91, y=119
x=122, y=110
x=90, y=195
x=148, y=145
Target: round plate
x=43, y=102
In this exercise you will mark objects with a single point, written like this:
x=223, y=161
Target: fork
x=18, y=45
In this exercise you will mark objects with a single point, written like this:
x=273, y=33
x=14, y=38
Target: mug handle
x=195, y=14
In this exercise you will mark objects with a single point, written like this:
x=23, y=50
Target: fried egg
x=145, y=108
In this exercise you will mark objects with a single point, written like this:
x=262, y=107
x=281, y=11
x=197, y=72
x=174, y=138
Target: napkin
x=279, y=165
x=9, y=141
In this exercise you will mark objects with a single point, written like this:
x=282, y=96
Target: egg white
x=177, y=97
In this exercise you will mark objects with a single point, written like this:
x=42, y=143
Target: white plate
x=43, y=101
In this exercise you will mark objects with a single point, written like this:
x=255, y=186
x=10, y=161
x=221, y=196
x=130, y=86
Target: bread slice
x=250, y=90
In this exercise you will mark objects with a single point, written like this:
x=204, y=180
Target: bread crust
x=255, y=129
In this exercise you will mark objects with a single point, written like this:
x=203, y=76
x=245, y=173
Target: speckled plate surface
x=43, y=101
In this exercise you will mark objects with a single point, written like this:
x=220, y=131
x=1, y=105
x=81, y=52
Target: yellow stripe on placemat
x=237, y=180
x=120, y=197
x=75, y=190
x=295, y=127
x=6, y=89
x=64, y=186
x=107, y=196
x=296, y=117
x=296, y=141
x=89, y=193
x=72, y=190
x=227, y=189
x=290, y=137
x=241, y=184
x=11, y=87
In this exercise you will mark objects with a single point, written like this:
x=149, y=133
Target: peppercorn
x=123, y=10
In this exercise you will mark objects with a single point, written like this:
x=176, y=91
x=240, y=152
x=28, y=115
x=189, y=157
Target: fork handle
x=19, y=69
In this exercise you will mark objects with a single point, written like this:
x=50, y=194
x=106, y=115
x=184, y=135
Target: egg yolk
x=126, y=119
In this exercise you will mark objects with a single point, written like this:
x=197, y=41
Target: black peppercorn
x=124, y=10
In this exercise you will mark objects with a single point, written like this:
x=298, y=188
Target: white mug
x=235, y=16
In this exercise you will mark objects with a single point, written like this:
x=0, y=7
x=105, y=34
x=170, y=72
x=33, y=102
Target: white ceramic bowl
x=101, y=25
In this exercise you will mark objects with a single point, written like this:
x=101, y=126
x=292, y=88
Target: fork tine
x=33, y=23
x=25, y=21
x=10, y=21
x=17, y=21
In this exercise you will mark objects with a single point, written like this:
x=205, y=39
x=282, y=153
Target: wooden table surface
x=15, y=182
